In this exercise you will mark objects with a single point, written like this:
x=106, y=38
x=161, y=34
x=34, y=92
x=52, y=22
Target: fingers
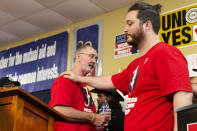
x=62, y=74
x=102, y=119
x=67, y=76
x=65, y=73
x=108, y=114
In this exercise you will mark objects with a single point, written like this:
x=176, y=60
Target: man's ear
x=147, y=25
x=77, y=56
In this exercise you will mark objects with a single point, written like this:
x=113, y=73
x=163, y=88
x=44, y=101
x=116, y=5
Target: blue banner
x=37, y=64
x=88, y=36
x=121, y=48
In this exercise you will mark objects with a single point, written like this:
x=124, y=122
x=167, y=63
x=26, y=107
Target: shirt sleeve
x=172, y=71
x=61, y=92
x=121, y=81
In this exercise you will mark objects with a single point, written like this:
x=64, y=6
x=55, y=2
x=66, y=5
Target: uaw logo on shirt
x=88, y=102
x=132, y=100
x=134, y=79
x=133, y=83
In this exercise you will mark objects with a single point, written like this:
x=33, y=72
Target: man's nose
x=126, y=29
x=94, y=59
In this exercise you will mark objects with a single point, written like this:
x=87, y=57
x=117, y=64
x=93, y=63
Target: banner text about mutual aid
x=31, y=55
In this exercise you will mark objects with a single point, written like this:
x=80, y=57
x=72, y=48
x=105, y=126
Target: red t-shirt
x=149, y=82
x=67, y=93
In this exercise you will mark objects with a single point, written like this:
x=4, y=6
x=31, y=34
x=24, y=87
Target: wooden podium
x=20, y=111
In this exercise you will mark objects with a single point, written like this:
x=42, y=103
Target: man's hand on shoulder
x=70, y=75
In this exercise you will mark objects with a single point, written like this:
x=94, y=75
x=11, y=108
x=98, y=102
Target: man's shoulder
x=164, y=48
x=166, y=52
x=63, y=80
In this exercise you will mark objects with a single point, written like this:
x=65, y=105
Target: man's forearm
x=181, y=99
x=73, y=115
x=101, y=82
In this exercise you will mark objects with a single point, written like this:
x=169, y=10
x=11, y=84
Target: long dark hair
x=148, y=12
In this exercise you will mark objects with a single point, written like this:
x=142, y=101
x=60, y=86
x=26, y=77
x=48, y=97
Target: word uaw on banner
x=122, y=48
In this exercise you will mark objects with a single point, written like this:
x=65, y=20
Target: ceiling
x=20, y=19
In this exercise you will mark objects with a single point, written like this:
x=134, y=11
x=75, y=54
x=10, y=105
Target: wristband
x=93, y=118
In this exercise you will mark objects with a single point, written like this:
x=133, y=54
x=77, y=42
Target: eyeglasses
x=91, y=56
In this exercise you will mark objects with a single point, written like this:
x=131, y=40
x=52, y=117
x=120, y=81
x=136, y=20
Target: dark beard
x=136, y=39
